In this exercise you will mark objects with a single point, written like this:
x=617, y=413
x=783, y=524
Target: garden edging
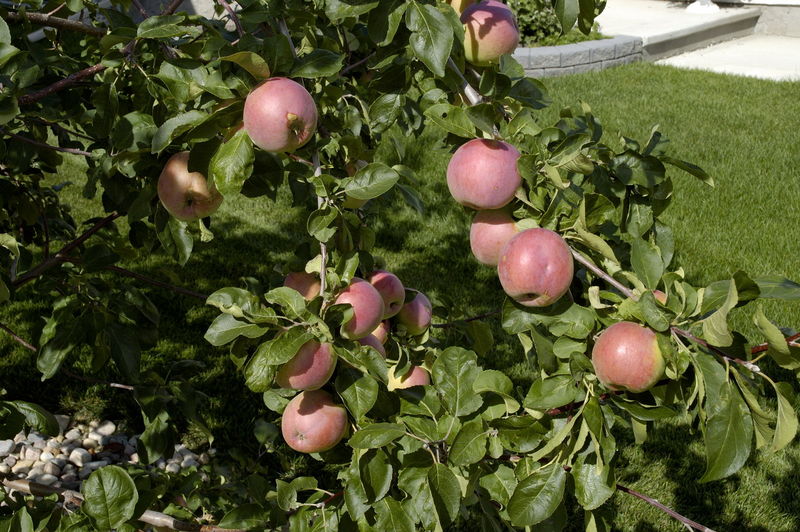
x=549, y=61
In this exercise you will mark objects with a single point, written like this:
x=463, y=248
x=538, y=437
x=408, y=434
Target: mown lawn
x=741, y=131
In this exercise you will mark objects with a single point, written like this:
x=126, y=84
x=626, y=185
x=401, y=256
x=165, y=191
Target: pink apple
x=306, y=283
x=490, y=231
x=184, y=194
x=280, y=115
x=535, y=267
x=367, y=308
x=309, y=369
x=374, y=343
x=382, y=331
x=391, y=290
x=417, y=376
x=416, y=314
x=626, y=356
x=660, y=296
x=490, y=31
x=312, y=422
x=482, y=174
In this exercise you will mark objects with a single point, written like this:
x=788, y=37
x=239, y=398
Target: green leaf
x=385, y=20
x=567, y=13
x=483, y=116
x=538, y=496
x=493, y=381
x=288, y=299
x=376, y=435
x=5, y=33
x=320, y=63
x=234, y=301
x=777, y=347
x=246, y=517
x=250, y=61
x=174, y=127
x=452, y=119
x=109, y=497
x=232, y=164
x=372, y=181
x=359, y=391
x=728, y=435
x=715, y=327
x=454, y=372
x=51, y=355
x=36, y=417
x=786, y=424
x=445, y=492
x=384, y=112
x=225, y=329
x=375, y=472
x=646, y=262
x=593, y=485
x=469, y=446
x=531, y=92
x=431, y=37
x=392, y=517
x=500, y=484
x=161, y=26
x=551, y=392
x=260, y=371
x=643, y=412
x=690, y=168
x=157, y=440
x=320, y=223
x=778, y=287
x=174, y=236
x=125, y=350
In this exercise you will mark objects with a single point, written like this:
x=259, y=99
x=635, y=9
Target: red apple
x=490, y=231
x=309, y=369
x=535, y=267
x=490, y=31
x=626, y=357
x=482, y=174
x=417, y=376
x=312, y=422
x=184, y=194
x=415, y=315
x=382, y=331
x=280, y=115
x=367, y=308
x=306, y=283
x=391, y=290
x=374, y=343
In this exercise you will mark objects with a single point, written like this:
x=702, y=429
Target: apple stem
x=699, y=341
x=234, y=17
x=323, y=248
x=36, y=143
x=669, y=511
x=17, y=338
x=627, y=292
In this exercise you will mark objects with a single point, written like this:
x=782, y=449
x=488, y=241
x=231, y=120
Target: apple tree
x=172, y=114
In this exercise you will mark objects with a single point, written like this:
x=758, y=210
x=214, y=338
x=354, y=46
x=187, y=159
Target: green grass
x=741, y=131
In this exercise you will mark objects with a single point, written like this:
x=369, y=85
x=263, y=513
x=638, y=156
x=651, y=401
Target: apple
x=312, y=422
x=306, y=283
x=490, y=231
x=482, y=174
x=417, y=376
x=416, y=314
x=460, y=5
x=309, y=369
x=391, y=290
x=490, y=31
x=367, y=308
x=660, y=296
x=382, y=331
x=535, y=267
x=280, y=115
x=184, y=194
x=375, y=343
x=626, y=357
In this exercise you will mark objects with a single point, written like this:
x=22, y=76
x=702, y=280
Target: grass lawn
x=741, y=131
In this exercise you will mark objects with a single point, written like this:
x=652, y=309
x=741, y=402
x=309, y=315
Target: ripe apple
x=482, y=174
x=626, y=357
x=306, y=283
x=391, y=290
x=375, y=343
x=312, y=422
x=490, y=231
x=309, y=369
x=280, y=115
x=660, y=296
x=382, y=331
x=535, y=267
x=416, y=314
x=367, y=308
x=184, y=194
x=490, y=31
x=417, y=376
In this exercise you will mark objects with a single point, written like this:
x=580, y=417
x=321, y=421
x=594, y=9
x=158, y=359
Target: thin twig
x=18, y=339
x=672, y=513
x=285, y=31
x=627, y=292
x=172, y=7
x=149, y=517
x=69, y=81
x=467, y=320
x=44, y=19
x=699, y=341
x=764, y=347
x=154, y=282
x=58, y=258
x=234, y=17
x=32, y=142
x=93, y=380
x=141, y=8
x=60, y=127
x=357, y=64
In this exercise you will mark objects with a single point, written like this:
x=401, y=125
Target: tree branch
x=589, y=265
x=69, y=81
x=92, y=380
x=62, y=254
x=466, y=320
x=323, y=248
x=469, y=91
x=234, y=17
x=699, y=341
x=149, y=517
x=18, y=339
x=43, y=19
x=672, y=513
x=172, y=7
x=44, y=145
x=357, y=64
x=154, y=282
x=760, y=348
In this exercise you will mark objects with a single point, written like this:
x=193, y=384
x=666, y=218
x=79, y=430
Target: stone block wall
x=549, y=61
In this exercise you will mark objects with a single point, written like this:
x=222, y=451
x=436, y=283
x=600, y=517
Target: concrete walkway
x=661, y=24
